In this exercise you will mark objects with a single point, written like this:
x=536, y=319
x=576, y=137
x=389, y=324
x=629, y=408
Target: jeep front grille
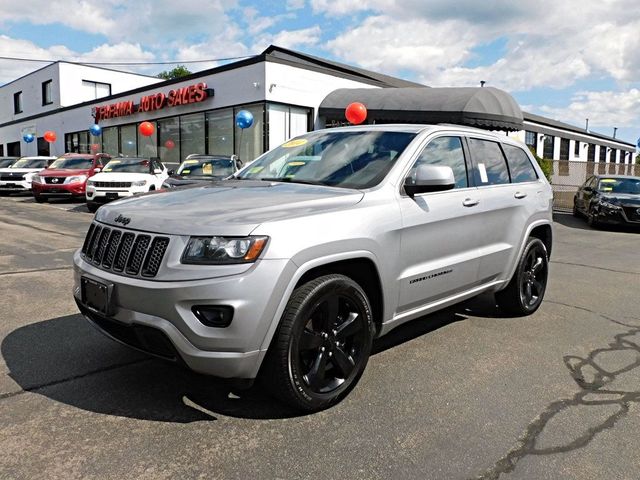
x=111, y=184
x=124, y=252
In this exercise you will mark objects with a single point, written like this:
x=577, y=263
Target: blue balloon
x=95, y=130
x=29, y=137
x=244, y=119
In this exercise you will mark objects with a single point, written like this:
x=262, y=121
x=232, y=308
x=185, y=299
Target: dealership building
x=287, y=92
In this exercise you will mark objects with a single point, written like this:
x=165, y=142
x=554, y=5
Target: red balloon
x=50, y=136
x=146, y=129
x=94, y=147
x=356, y=113
x=170, y=144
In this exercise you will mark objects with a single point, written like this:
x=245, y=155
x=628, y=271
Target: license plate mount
x=112, y=196
x=96, y=295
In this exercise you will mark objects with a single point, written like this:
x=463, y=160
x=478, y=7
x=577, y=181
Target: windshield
x=4, y=163
x=206, y=167
x=348, y=159
x=30, y=163
x=620, y=185
x=128, y=165
x=73, y=163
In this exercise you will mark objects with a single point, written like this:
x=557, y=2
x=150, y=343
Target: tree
x=178, y=72
x=545, y=165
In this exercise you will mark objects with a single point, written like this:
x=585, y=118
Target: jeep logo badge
x=122, y=220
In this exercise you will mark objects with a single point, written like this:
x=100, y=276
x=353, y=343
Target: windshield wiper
x=291, y=180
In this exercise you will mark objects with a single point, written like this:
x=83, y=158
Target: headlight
x=139, y=183
x=36, y=179
x=76, y=179
x=223, y=250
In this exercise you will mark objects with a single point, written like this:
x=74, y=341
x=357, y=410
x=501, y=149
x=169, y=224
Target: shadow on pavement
x=568, y=220
x=67, y=360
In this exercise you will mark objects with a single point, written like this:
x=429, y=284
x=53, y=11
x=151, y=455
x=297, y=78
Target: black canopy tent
x=485, y=107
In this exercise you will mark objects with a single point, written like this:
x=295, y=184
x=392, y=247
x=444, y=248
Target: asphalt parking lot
x=461, y=394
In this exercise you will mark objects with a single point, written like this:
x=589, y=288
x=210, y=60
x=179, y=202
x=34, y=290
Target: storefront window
x=110, y=140
x=286, y=122
x=148, y=146
x=84, y=142
x=128, y=141
x=220, y=132
x=249, y=141
x=191, y=134
x=169, y=140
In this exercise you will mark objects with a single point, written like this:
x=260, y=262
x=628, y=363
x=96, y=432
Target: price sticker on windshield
x=256, y=170
x=295, y=143
x=190, y=162
x=207, y=169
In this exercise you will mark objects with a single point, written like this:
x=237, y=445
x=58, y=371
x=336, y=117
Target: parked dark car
x=609, y=199
x=203, y=168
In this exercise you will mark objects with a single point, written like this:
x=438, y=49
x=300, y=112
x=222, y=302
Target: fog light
x=219, y=316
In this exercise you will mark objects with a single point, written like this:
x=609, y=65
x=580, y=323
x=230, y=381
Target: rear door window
x=520, y=165
x=490, y=165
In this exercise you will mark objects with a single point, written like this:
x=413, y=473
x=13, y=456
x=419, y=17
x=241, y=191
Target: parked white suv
x=290, y=270
x=17, y=177
x=124, y=177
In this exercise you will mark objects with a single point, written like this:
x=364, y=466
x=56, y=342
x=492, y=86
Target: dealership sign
x=157, y=101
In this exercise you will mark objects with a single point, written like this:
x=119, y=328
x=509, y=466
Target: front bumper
x=618, y=216
x=59, y=190
x=106, y=195
x=18, y=186
x=141, y=307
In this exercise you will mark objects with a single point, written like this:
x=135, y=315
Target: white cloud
x=294, y=4
x=10, y=69
x=289, y=38
x=607, y=108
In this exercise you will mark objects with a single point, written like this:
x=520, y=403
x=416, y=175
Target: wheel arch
x=348, y=264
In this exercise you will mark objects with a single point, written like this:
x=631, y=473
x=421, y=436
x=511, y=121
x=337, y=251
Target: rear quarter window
x=519, y=165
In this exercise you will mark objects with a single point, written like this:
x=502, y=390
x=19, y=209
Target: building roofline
x=531, y=117
x=58, y=62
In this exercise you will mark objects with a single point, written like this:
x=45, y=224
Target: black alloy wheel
x=322, y=345
x=524, y=293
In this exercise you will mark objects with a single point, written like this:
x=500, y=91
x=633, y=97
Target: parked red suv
x=67, y=176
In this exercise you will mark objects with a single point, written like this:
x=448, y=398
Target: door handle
x=520, y=195
x=470, y=202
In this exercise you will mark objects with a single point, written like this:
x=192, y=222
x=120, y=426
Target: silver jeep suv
x=288, y=270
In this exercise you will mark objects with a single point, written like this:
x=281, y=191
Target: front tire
x=92, y=207
x=322, y=345
x=592, y=220
x=525, y=291
x=39, y=199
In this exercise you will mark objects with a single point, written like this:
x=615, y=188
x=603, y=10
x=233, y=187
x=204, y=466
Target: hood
x=64, y=172
x=623, y=198
x=179, y=180
x=227, y=207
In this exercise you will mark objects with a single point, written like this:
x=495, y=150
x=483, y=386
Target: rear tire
x=525, y=291
x=322, y=344
x=39, y=199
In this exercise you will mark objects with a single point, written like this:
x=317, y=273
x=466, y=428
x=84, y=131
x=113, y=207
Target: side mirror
x=429, y=178
x=171, y=172
x=97, y=170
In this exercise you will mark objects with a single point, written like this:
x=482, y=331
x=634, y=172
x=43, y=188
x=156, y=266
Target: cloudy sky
x=565, y=59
